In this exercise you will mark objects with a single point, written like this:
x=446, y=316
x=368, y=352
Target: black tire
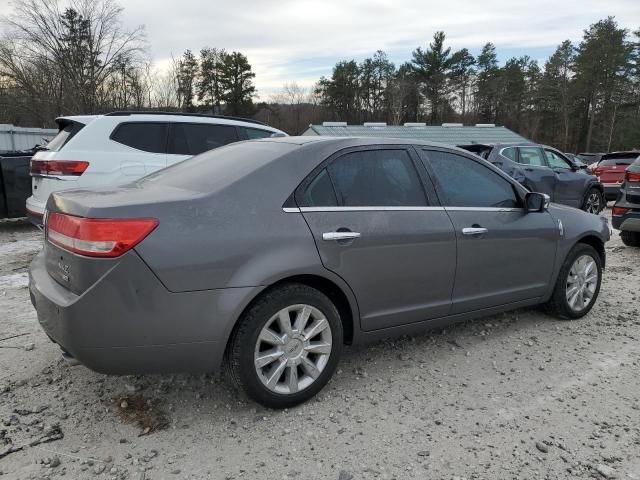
x=602, y=203
x=558, y=305
x=241, y=348
x=630, y=239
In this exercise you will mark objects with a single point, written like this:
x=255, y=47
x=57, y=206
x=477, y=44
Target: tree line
x=585, y=97
x=81, y=60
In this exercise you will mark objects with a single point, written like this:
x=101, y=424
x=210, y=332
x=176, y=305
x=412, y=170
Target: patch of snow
x=14, y=280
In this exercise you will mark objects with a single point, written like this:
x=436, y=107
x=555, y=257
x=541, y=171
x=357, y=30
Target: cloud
x=301, y=40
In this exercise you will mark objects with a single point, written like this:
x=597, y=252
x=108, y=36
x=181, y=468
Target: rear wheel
x=630, y=239
x=286, y=346
x=578, y=283
x=594, y=202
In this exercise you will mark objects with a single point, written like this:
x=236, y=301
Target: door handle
x=474, y=231
x=340, y=235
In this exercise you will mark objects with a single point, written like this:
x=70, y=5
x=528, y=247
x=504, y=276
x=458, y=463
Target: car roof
x=177, y=117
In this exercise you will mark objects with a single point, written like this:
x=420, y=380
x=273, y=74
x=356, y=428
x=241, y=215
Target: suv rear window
x=607, y=162
x=66, y=133
x=196, y=138
x=146, y=136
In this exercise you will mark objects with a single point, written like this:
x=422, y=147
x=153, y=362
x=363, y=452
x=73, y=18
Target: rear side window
x=64, y=135
x=254, y=133
x=531, y=156
x=376, y=178
x=196, y=138
x=320, y=192
x=146, y=136
x=511, y=153
x=466, y=183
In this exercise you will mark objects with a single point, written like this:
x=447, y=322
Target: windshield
x=65, y=134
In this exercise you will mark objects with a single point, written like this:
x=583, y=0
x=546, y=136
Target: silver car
x=267, y=256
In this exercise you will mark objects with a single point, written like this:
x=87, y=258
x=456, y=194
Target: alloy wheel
x=293, y=349
x=593, y=203
x=582, y=282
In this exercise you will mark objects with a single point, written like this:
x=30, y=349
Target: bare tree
x=77, y=47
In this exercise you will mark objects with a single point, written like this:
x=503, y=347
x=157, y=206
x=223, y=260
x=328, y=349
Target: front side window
x=376, y=178
x=556, y=161
x=531, y=156
x=146, y=136
x=196, y=138
x=466, y=183
x=254, y=133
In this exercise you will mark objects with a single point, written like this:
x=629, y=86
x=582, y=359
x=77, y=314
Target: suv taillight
x=618, y=211
x=58, y=167
x=632, y=176
x=97, y=237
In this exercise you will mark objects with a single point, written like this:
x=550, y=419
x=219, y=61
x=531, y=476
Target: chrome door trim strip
x=369, y=209
x=398, y=209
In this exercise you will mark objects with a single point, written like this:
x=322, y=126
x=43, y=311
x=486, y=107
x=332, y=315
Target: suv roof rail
x=124, y=113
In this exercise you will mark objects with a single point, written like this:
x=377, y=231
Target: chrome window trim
x=398, y=209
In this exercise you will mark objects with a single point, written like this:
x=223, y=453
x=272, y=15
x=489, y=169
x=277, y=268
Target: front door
x=538, y=177
x=374, y=227
x=569, y=185
x=504, y=254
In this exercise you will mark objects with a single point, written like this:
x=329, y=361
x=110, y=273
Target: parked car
x=15, y=183
x=590, y=158
x=575, y=159
x=626, y=211
x=610, y=171
x=120, y=147
x=546, y=170
x=354, y=239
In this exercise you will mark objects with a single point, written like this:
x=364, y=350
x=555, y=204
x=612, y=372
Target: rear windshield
x=66, y=133
x=609, y=161
x=216, y=169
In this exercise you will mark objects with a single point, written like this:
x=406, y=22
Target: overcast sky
x=300, y=40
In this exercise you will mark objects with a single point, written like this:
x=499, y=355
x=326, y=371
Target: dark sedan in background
x=352, y=240
x=544, y=169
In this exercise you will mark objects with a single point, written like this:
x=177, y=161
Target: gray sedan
x=267, y=256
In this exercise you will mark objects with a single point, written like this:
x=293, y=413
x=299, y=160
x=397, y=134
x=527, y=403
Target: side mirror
x=536, y=202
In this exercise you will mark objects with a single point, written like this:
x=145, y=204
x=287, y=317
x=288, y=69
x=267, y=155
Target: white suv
x=119, y=147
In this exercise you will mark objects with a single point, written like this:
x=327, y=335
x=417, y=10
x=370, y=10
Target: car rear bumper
x=611, y=190
x=129, y=323
x=35, y=211
x=629, y=222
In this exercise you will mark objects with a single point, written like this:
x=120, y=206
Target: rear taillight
x=58, y=167
x=618, y=211
x=97, y=237
x=632, y=176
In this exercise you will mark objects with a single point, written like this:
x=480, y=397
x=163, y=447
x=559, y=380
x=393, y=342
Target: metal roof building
x=19, y=138
x=448, y=133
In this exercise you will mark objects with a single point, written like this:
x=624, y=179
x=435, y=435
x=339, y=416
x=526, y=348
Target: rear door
x=376, y=226
x=189, y=139
x=504, y=255
x=538, y=176
x=569, y=185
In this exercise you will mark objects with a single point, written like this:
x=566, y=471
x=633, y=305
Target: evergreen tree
x=210, y=81
x=237, y=81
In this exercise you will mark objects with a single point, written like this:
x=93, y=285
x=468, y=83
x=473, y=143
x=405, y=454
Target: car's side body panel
x=227, y=233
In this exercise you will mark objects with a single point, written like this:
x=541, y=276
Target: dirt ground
x=520, y=395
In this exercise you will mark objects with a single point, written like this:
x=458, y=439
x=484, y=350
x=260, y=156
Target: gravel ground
x=520, y=395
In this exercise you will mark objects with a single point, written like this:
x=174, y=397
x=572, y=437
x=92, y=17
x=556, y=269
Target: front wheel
x=286, y=346
x=594, y=202
x=578, y=283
